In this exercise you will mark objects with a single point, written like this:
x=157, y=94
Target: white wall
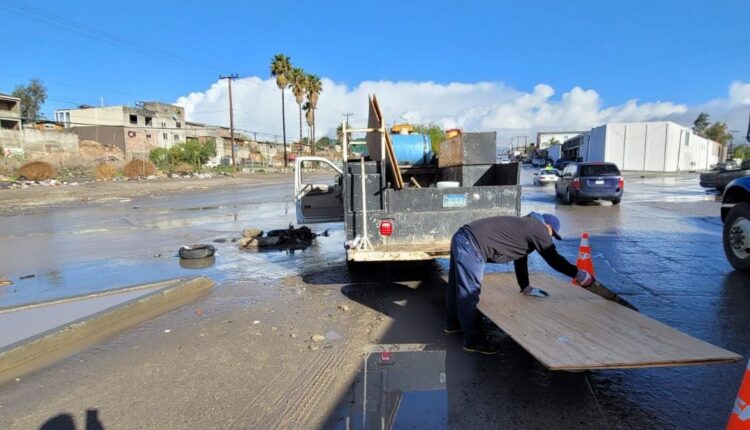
x=659, y=146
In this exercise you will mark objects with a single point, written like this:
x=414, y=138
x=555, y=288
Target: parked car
x=735, y=213
x=590, y=181
x=546, y=176
x=724, y=177
x=561, y=164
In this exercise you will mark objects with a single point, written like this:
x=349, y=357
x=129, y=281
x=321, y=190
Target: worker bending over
x=499, y=239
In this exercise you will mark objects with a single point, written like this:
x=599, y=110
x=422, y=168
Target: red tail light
x=386, y=228
x=577, y=184
x=621, y=184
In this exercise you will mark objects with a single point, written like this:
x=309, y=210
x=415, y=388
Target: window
x=165, y=136
x=600, y=170
x=134, y=119
x=148, y=120
x=163, y=124
x=179, y=125
x=176, y=137
x=148, y=136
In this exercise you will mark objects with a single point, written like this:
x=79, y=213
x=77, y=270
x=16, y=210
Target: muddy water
x=93, y=248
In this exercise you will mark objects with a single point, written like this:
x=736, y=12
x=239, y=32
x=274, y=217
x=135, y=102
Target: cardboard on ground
x=574, y=329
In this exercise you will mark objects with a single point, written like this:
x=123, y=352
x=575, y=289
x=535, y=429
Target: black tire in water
x=201, y=250
x=736, y=237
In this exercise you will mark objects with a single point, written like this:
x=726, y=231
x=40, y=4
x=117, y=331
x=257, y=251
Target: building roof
x=7, y=96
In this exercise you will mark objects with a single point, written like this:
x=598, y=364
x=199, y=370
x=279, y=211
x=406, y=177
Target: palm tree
x=309, y=116
x=280, y=68
x=314, y=88
x=297, y=83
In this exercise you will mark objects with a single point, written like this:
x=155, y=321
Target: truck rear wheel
x=736, y=237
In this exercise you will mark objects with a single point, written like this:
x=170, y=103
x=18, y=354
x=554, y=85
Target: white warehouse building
x=660, y=146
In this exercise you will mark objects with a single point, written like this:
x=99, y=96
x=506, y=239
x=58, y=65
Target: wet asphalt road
x=661, y=248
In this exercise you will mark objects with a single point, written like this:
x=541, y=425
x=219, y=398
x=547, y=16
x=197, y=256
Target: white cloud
x=471, y=106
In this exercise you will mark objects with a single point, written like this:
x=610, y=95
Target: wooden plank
x=375, y=120
x=574, y=329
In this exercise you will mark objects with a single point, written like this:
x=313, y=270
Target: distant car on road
x=546, y=176
x=735, y=213
x=561, y=164
x=590, y=181
x=724, y=177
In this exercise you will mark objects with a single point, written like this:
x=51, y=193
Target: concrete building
x=246, y=150
x=11, y=137
x=659, y=146
x=544, y=138
x=136, y=130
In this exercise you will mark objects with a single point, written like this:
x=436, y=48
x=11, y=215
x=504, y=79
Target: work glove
x=534, y=292
x=584, y=278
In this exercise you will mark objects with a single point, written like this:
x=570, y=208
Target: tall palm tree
x=280, y=68
x=314, y=87
x=297, y=83
x=310, y=121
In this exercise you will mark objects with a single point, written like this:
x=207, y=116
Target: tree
x=280, y=68
x=434, y=132
x=741, y=152
x=553, y=141
x=297, y=82
x=718, y=133
x=701, y=123
x=314, y=87
x=32, y=98
x=324, y=142
x=309, y=117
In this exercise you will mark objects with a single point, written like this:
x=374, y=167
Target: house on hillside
x=135, y=130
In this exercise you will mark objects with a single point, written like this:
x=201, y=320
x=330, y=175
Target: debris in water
x=256, y=322
x=4, y=282
x=198, y=312
x=317, y=338
x=344, y=308
x=252, y=232
x=167, y=331
x=287, y=238
x=220, y=240
x=27, y=276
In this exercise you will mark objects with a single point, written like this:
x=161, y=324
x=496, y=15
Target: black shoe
x=485, y=348
x=453, y=329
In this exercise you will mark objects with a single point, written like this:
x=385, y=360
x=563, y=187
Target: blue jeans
x=464, y=285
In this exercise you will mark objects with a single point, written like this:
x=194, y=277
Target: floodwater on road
x=660, y=248
x=87, y=249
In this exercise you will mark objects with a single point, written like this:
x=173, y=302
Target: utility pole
x=229, y=79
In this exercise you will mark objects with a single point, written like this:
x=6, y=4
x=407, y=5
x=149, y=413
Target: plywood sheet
x=574, y=329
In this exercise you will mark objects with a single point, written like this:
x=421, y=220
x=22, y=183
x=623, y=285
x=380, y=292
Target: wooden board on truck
x=574, y=329
x=375, y=120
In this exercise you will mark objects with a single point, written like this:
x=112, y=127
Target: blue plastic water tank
x=414, y=149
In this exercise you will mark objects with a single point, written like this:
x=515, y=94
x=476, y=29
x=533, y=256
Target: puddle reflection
x=400, y=386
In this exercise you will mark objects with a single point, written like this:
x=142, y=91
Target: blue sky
x=684, y=52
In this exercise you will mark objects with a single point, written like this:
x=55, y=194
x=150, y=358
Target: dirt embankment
x=25, y=200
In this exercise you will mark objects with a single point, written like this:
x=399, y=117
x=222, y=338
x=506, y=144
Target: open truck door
x=318, y=195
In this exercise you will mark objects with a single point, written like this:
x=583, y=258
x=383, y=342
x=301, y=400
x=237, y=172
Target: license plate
x=599, y=182
x=454, y=200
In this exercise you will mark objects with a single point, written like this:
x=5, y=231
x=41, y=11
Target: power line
x=84, y=30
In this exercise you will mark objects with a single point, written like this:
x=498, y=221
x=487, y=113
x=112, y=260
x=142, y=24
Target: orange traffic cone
x=584, y=261
x=740, y=417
